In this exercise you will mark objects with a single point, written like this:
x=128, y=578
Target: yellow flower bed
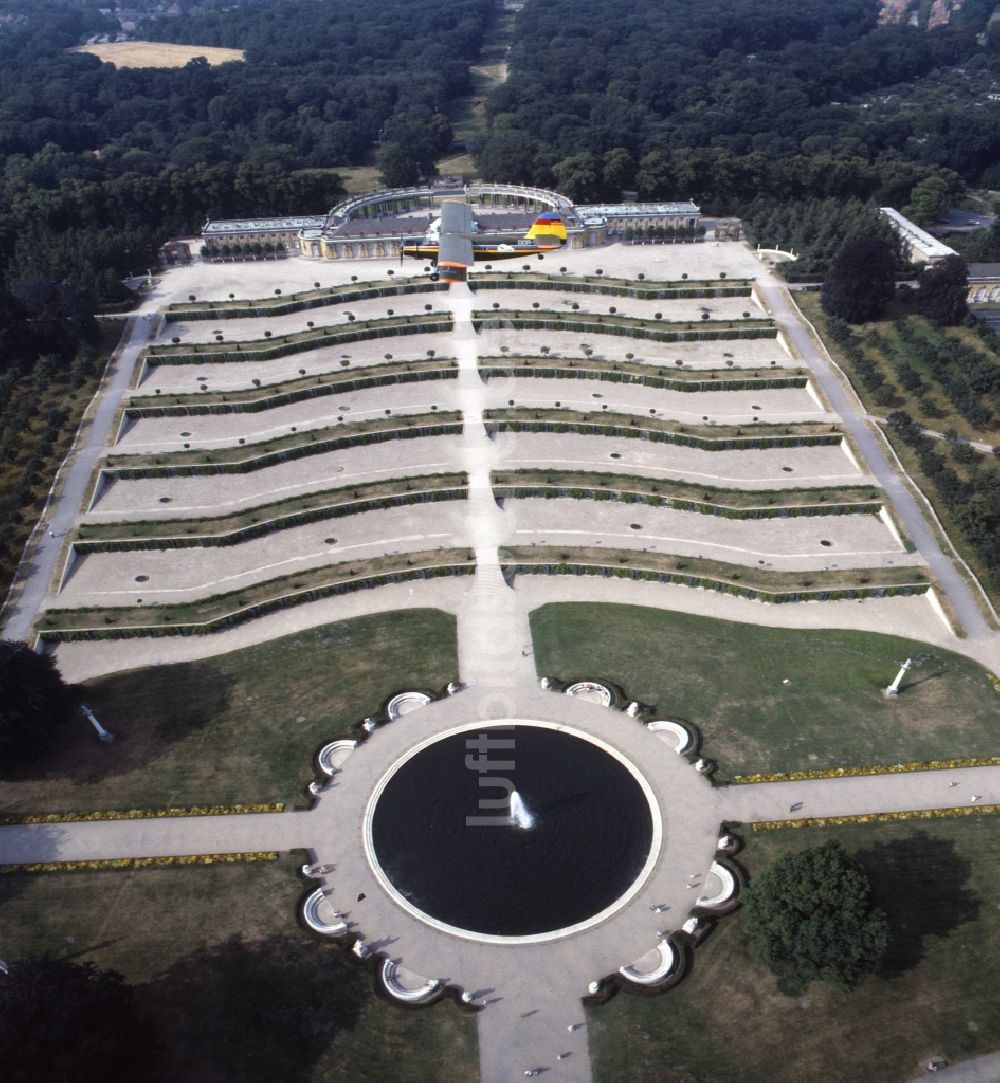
x=870, y=769
x=143, y=862
x=143, y=813
x=878, y=817
x=995, y=681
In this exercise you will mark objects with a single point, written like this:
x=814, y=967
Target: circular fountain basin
x=441, y=838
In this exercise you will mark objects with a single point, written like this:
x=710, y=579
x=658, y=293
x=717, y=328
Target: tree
x=810, y=917
x=577, y=177
x=33, y=702
x=617, y=171
x=944, y=287
x=861, y=280
x=928, y=200
x=62, y=1021
x=397, y=168
x=656, y=177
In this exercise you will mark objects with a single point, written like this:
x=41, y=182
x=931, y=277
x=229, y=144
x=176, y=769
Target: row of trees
x=966, y=375
x=662, y=234
x=970, y=494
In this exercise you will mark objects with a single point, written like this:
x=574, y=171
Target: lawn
x=938, y=993
x=237, y=991
x=237, y=727
x=727, y=679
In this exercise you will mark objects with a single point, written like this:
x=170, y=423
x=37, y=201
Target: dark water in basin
x=592, y=833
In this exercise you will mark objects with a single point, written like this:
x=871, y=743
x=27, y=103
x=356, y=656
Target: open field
x=227, y=730
x=237, y=991
x=358, y=179
x=938, y=993
x=158, y=54
x=728, y=678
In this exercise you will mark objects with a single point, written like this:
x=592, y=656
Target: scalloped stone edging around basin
x=679, y=735
x=320, y=916
x=406, y=987
x=661, y=966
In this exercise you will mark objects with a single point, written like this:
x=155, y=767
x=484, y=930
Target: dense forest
x=727, y=101
x=102, y=164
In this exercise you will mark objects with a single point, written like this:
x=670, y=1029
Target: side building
x=918, y=245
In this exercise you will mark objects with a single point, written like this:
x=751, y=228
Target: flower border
x=878, y=817
x=143, y=862
x=869, y=769
x=142, y=813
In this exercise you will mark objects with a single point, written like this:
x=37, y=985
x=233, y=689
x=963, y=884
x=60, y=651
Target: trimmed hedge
x=360, y=381
x=644, y=291
x=622, y=326
x=622, y=373
x=296, y=302
x=267, y=526
x=312, y=442
x=677, y=489
x=523, y=566
x=658, y=432
x=724, y=511
x=239, y=616
x=263, y=349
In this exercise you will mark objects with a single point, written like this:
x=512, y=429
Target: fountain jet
x=519, y=814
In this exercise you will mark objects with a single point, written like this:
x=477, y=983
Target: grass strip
x=242, y=459
x=267, y=349
x=662, y=430
x=878, y=817
x=253, y=400
x=639, y=288
x=297, y=302
x=629, y=326
x=707, y=500
x=738, y=579
x=143, y=813
x=97, y=864
x=265, y=518
x=628, y=372
x=226, y=610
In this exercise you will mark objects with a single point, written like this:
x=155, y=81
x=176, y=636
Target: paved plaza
x=530, y=996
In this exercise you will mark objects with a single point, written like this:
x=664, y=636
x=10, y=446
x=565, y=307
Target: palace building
x=375, y=225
